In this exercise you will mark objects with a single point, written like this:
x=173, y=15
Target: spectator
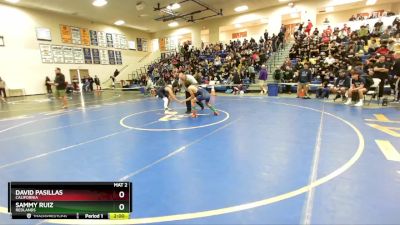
x=3, y=94
x=48, y=85
x=357, y=87
x=304, y=79
x=97, y=82
x=263, y=77
x=61, y=85
x=381, y=71
x=342, y=84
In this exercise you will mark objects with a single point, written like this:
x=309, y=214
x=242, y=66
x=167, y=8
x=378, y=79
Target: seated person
x=342, y=84
x=323, y=91
x=357, y=87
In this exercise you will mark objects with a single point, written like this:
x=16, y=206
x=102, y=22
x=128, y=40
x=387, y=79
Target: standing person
x=97, y=82
x=304, y=77
x=3, y=94
x=182, y=79
x=48, y=85
x=309, y=27
x=60, y=84
x=263, y=77
x=381, y=71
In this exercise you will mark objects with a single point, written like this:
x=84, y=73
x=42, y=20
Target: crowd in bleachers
x=235, y=62
x=344, y=61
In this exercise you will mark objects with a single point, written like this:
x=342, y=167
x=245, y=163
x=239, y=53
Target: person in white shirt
x=329, y=60
x=182, y=79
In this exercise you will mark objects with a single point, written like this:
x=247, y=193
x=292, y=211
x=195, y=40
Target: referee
x=182, y=79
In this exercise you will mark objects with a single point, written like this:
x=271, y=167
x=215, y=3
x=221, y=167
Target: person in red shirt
x=383, y=50
x=309, y=27
x=328, y=31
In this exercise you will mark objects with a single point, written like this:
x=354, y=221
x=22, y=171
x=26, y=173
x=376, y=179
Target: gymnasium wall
x=343, y=16
x=21, y=65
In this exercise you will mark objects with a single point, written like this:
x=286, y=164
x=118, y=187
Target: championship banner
x=78, y=55
x=76, y=35
x=161, y=43
x=118, y=57
x=68, y=54
x=85, y=36
x=88, y=55
x=111, y=57
x=58, y=54
x=66, y=35
x=109, y=39
x=139, y=44
x=93, y=38
x=96, y=56
x=102, y=39
x=46, y=53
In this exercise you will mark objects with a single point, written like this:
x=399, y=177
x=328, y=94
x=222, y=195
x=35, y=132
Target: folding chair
x=374, y=90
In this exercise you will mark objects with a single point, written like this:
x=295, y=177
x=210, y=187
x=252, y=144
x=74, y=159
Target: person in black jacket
x=304, y=79
x=48, y=86
x=61, y=85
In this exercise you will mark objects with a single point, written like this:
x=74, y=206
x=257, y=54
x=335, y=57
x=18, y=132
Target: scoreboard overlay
x=70, y=200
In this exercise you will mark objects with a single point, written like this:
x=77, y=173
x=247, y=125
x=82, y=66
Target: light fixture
x=238, y=25
x=12, y=1
x=370, y=2
x=342, y=2
x=241, y=8
x=174, y=6
x=294, y=15
x=99, y=3
x=329, y=9
x=119, y=22
x=173, y=24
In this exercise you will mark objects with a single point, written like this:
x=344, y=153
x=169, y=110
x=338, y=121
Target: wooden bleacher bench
x=15, y=92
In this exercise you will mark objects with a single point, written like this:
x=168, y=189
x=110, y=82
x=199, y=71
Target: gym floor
x=263, y=160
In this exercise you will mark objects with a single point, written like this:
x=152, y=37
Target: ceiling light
x=100, y=3
x=283, y=0
x=329, y=9
x=12, y=1
x=294, y=15
x=342, y=2
x=119, y=22
x=370, y=2
x=174, y=6
x=173, y=24
x=241, y=8
x=238, y=25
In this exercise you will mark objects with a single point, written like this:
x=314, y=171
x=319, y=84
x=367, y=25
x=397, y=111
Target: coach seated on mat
x=182, y=79
x=358, y=86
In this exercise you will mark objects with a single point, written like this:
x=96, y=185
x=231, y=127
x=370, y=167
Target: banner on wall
x=118, y=57
x=96, y=56
x=123, y=41
x=78, y=55
x=68, y=54
x=116, y=41
x=88, y=55
x=58, y=55
x=93, y=38
x=239, y=35
x=103, y=57
x=144, y=45
x=102, y=39
x=161, y=43
x=139, y=44
x=132, y=45
x=85, y=36
x=46, y=53
x=66, y=35
x=111, y=57
x=109, y=39
x=76, y=35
